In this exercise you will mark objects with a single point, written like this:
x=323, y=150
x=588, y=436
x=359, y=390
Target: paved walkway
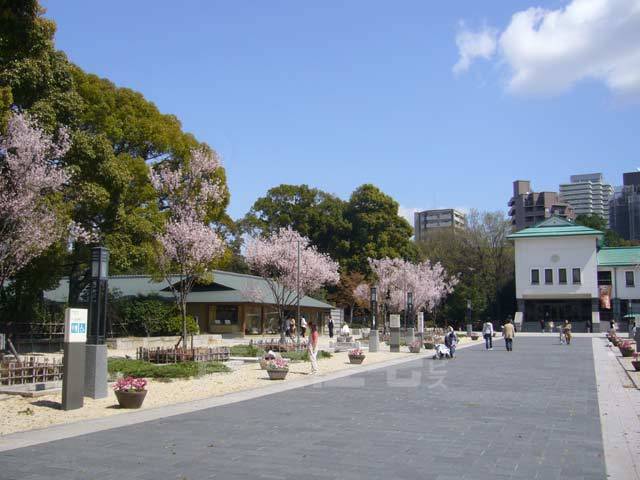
x=529, y=414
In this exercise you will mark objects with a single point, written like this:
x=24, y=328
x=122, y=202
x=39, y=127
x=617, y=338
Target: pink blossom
x=30, y=171
x=276, y=259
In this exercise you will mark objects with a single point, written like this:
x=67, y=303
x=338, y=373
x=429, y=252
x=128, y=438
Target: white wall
x=624, y=292
x=555, y=253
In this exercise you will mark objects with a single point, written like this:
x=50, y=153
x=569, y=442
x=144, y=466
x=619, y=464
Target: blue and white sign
x=75, y=325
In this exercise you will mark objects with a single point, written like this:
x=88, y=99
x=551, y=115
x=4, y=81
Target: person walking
x=330, y=327
x=451, y=340
x=313, y=348
x=303, y=326
x=542, y=325
x=566, y=329
x=487, y=333
x=508, y=332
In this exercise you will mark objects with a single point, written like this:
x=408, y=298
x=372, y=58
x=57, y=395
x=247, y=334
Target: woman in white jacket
x=487, y=333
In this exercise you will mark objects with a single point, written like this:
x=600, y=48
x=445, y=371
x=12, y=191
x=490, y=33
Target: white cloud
x=472, y=45
x=548, y=51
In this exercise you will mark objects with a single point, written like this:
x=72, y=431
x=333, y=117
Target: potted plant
x=130, y=392
x=356, y=356
x=278, y=368
x=635, y=362
x=474, y=336
x=627, y=348
x=429, y=344
x=264, y=361
x=414, y=347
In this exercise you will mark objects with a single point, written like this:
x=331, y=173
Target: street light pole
x=298, y=295
x=408, y=320
x=96, y=350
x=373, y=333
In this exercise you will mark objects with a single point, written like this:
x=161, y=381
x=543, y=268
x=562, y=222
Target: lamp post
x=408, y=319
x=96, y=349
x=373, y=333
x=469, y=321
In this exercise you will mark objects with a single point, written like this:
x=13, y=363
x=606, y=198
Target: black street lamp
x=373, y=333
x=374, y=306
x=95, y=374
x=98, y=298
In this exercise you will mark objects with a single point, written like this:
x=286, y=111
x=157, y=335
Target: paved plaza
x=529, y=414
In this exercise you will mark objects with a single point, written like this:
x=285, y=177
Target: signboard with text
x=75, y=325
x=394, y=321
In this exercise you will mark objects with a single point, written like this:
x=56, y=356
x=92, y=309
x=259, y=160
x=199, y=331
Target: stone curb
x=83, y=427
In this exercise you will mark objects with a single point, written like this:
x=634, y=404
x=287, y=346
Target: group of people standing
x=291, y=329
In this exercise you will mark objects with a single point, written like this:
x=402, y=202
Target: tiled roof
x=554, y=227
x=618, y=256
x=227, y=287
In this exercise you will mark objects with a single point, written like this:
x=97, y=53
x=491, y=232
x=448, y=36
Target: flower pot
x=356, y=359
x=130, y=399
x=474, y=337
x=627, y=352
x=277, y=373
x=414, y=349
x=636, y=365
x=429, y=345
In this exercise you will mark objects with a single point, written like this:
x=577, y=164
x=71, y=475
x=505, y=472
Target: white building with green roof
x=562, y=273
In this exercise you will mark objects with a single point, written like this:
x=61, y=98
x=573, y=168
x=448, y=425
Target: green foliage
x=140, y=368
x=303, y=356
x=368, y=225
x=611, y=238
x=151, y=316
x=246, y=351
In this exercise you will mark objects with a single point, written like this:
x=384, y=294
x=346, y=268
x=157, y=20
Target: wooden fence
x=177, y=355
x=31, y=370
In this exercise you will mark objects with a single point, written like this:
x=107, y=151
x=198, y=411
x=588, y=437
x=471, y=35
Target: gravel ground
x=19, y=414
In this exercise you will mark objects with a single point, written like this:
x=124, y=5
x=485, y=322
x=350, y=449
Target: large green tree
x=313, y=213
x=611, y=238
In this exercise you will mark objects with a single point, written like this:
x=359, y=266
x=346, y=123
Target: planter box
x=131, y=399
x=414, y=349
x=474, y=336
x=278, y=374
x=627, y=352
x=636, y=365
x=429, y=345
x=356, y=359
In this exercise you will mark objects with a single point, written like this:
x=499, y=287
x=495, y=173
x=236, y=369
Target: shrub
x=139, y=368
x=246, y=351
x=304, y=355
x=151, y=315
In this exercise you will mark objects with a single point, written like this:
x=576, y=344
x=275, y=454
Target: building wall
x=429, y=221
x=528, y=208
x=619, y=288
x=556, y=252
x=587, y=194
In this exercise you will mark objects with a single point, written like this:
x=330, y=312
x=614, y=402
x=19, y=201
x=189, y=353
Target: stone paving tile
x=528, y=414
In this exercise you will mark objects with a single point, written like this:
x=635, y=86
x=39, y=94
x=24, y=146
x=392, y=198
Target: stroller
x=442, y=351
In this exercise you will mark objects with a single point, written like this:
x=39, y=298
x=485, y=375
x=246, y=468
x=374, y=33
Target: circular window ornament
x=555, y=258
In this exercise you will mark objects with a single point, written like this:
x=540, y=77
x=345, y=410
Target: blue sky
x=339, y=93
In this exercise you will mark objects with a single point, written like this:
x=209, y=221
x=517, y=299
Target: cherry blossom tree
x=30, y=176
x=188, y=246
x=276, y=259
x=395, y=277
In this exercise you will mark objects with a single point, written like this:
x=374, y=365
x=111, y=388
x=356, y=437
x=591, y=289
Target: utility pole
x=298, y=294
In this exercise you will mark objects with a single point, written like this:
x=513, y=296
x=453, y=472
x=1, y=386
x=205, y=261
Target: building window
x=629, y=279
x=575, y=275
x=562, y=276
x=548, y=276
x=535, y=276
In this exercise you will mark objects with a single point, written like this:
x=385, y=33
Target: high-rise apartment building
x=624, y=208
x=526, y=208
x=588, y=194
x=429, y=221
